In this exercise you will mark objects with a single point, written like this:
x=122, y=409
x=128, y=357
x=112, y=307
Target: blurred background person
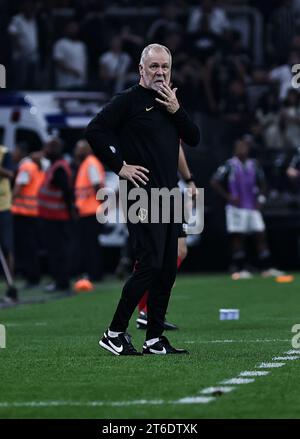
x=281, y=75
x=222, y=67
x=290, y=117
x=70, y=59
x=25, y=211
x=268, y=116
x=56, y=208
x=241, y=183
x=6, y=223
x=23, y=31
x=89, y=179
x=113, y=66
x=235, y=111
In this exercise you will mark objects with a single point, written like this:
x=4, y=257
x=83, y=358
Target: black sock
x=264, y=259
x=238, y=260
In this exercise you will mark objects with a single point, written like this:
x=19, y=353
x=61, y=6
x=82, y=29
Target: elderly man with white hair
x=137, y=135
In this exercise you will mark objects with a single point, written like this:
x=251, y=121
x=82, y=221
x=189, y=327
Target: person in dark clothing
x=6, y=223
x=143, y=125
x=29, y=177
x=56, y=208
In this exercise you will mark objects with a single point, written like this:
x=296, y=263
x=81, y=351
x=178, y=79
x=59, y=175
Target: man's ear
x=141, y=69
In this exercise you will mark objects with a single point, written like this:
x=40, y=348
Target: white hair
x=154, y=46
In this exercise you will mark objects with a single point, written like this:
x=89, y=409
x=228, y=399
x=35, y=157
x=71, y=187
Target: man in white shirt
x=69, y=54
x=25, y=55
x=282, y=75
x=114, y=65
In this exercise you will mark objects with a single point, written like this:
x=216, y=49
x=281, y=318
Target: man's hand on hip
x=134, y=173
x=169, y=100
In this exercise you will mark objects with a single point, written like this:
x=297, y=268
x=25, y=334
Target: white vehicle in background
x=33, y=117
x=20, y=122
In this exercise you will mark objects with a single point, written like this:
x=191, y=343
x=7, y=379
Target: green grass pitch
x=52, y=366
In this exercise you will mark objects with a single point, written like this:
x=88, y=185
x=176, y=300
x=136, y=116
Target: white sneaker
x=244, y=274
x=272, y=272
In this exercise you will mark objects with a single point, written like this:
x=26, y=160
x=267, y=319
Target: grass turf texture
x=52, y=354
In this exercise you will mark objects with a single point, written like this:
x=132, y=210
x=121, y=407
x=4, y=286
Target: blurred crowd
x=95, y=45
x=48, y=212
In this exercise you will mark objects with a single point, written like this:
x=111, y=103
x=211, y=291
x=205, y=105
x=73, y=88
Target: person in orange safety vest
x=90, y=177
x=25, y=211
x=56, y=208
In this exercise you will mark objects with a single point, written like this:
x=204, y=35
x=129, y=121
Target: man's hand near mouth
x=169, y=101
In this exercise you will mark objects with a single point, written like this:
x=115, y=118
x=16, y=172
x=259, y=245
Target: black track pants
x=155, y=251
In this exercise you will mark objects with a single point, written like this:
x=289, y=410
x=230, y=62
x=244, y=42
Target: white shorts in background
x=240, y=220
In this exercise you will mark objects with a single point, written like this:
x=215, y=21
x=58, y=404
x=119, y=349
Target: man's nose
x=159, y=71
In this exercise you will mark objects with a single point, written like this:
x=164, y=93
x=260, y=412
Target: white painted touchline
x=78, y=403
x=125, y=403
x=11, y=325
x=224, y=341
x=195, y=400
x=187, y=400
x=211, y=390
x=264, y=340
x=247, y=373
x=238, y=381
x=254, y=373
x=293, y=352
x=270, y=365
